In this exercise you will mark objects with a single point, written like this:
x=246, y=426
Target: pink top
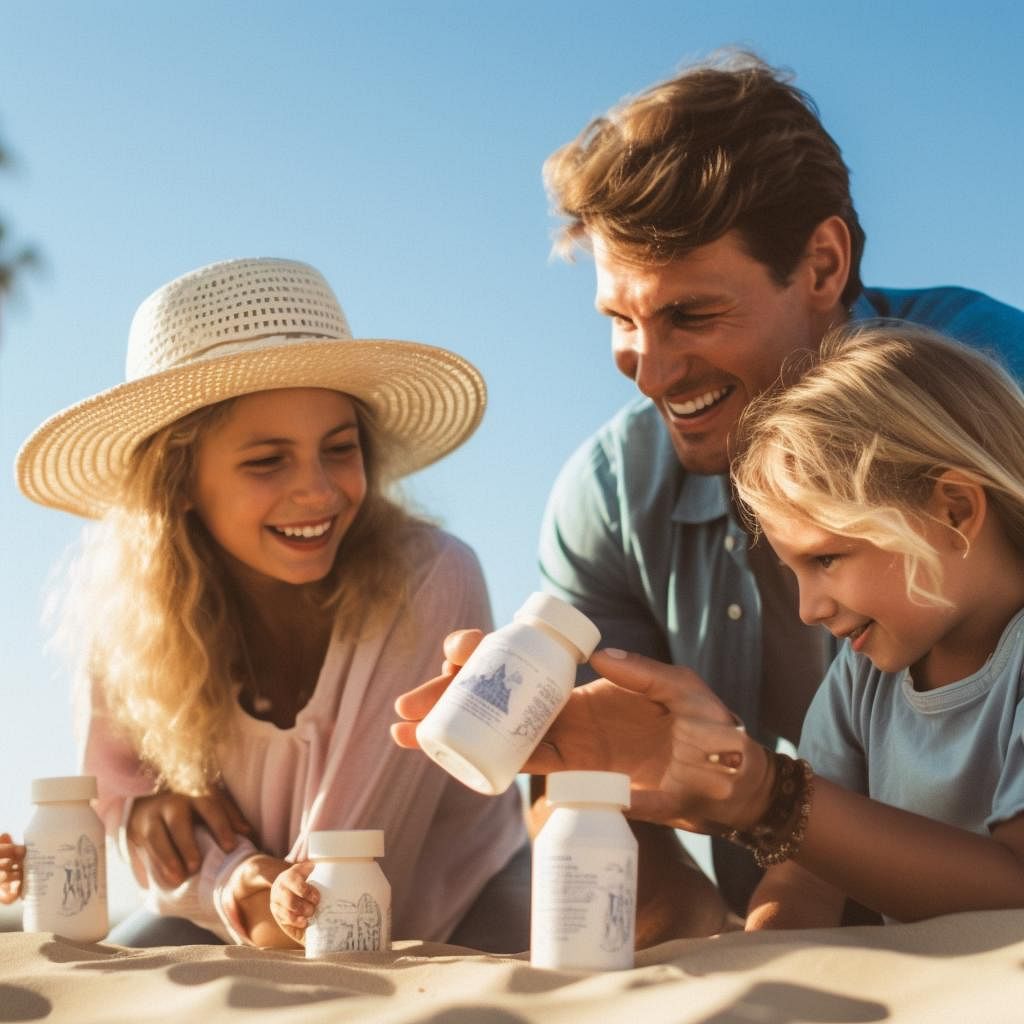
x=337, y=768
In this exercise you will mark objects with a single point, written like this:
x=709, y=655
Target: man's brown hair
x=727, y=145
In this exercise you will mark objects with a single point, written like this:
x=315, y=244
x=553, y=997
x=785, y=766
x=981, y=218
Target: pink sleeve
x=121, y=777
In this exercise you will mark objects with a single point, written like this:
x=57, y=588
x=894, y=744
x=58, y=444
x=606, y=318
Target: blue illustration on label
x=618, y=911
x=343, y=926
x=80, y=865
x=492, y=688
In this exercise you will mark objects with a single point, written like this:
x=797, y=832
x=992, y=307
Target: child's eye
x=826, y=561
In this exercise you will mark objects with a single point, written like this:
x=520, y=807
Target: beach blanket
x=962, y=968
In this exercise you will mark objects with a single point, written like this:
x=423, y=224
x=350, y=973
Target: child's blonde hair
x=156, y=620
x=856, y=444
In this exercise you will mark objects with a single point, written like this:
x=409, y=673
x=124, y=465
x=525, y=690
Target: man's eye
x=684, y=320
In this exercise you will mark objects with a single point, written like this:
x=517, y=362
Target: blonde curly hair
x=155, y=623
x=874, y=418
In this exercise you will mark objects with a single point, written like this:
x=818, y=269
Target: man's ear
x=827, y=256
x=960, y=502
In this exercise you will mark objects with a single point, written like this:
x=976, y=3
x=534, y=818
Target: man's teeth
x=696, y=404
x=304, y=531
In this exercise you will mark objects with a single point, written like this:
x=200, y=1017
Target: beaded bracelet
x=791, y=794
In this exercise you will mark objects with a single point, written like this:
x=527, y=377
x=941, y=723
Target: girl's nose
x=816, y=607
x=313, y=484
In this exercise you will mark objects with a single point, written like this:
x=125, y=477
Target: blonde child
x=251, y=601
x=890, y=479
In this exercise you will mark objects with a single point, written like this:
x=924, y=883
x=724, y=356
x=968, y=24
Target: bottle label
x=494, y=693
x=346, y=926
x=584, y=909
x=64, y=879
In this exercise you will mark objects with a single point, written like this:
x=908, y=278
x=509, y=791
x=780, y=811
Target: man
x=724, y=238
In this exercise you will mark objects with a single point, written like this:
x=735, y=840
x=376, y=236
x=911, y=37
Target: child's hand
x=12, y=861
x=293, y=900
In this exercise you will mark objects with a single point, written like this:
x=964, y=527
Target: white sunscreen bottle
x=65, y=861
x=583, y=910
x=354, y=912
x=494, y=713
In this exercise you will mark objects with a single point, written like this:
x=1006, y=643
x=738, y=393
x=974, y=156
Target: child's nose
x=816, y=606
x=314, y=483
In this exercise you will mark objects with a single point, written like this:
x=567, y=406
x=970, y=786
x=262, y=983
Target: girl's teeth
x=304, y=531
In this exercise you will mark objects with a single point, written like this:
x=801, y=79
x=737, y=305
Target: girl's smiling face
x=280, y=481
x=858, y=591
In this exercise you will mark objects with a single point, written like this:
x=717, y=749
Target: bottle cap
x=63, y=788
x=588, y=788
x=564, y=619
x=362, y=842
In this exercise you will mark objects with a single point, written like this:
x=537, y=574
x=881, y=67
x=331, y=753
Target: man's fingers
x=458, y=646
x=415, y=704
x=547, y=758
x=404, y=734
x=679, y=688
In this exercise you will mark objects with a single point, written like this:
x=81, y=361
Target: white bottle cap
x=564, y=619
x=62, y=788
x=363, y=842
x=588, y=788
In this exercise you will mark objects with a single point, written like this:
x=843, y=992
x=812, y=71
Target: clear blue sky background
x=398, y=147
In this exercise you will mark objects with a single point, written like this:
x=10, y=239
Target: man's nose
x=648, y=360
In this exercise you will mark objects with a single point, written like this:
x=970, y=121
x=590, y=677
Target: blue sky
x=398, y=148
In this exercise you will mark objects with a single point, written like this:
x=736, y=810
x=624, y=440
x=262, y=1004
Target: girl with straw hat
x=251, y=601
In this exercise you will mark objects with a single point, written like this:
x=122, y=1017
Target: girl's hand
x=161, y=830
x=12, y=863
x=293, y=900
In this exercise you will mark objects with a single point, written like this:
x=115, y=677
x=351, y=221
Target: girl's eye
x=267, y=462
x=826, y=561
x=341, y=450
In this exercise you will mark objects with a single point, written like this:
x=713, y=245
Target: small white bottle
x=497, y=709
x=65, y=861
x=583, y=909
x=354, y=912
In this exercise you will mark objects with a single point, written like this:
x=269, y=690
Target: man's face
x=702, y=335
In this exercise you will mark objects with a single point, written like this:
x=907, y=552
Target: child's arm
x=906, y=866
x=250, y=886
x=12, y=862
x=789, y=896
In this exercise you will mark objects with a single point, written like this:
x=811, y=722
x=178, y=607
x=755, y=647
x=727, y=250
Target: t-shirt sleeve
x=830, y=740
x=583, y=556
x=1008, y=801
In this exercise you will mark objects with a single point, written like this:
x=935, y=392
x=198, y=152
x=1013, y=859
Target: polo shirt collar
x=702, y=499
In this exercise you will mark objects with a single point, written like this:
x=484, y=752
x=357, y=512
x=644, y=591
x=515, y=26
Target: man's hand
x=161, y=830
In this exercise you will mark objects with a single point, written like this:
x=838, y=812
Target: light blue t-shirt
x=955, y=754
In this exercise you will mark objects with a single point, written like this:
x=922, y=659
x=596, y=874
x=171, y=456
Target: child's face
x=279, y=482
x=858, y=592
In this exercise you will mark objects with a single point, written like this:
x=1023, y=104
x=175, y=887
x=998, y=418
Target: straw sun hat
x=231, y=329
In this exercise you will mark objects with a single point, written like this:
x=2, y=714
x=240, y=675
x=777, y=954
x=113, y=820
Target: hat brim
x=426, y=400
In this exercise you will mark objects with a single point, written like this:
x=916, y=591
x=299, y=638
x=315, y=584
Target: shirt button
x=730, y=543
x=734, y=611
